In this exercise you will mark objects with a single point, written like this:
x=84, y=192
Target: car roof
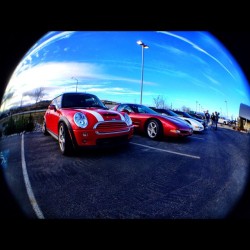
x=128, y=103
x=76, y=93
x=73, y=93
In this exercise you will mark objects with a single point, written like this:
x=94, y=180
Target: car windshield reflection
x=81, y=101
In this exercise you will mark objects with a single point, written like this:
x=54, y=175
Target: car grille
x=111, y=127
x=110, y=115
x=185, y=132
x=112, y=141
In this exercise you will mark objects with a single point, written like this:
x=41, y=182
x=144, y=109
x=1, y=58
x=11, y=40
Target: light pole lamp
x=76, y=81
x=143, y=46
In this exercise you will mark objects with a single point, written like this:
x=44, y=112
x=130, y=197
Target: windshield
x=172, y=113
x=143, y=109
x=81, y=101
x=188, y=115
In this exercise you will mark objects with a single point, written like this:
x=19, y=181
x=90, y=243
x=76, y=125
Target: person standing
x=212, y=119
x=216, y=118
x=207, y=116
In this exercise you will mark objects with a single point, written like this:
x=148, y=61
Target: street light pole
x=143, y=46
x=76, y=81
x=226, y=108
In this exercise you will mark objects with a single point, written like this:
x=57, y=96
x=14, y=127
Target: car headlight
x=127, y=119
x=80, y=120
x=175, y=131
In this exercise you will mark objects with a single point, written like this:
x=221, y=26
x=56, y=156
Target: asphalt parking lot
x=200, y=177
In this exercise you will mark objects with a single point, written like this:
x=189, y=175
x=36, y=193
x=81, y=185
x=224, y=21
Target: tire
x=154, y=129
x=64, y=141
x=44, y=128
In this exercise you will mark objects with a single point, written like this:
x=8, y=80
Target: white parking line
x=28, y=186
x=171, y=152
x=197, y=138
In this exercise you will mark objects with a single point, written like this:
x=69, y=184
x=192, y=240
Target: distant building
x=244, y=116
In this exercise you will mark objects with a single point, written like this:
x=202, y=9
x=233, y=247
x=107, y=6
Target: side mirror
x=52, y=107
x=125, y=110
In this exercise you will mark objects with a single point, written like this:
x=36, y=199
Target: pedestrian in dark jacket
x=216, y=118
x=207, y=116
x=213, y=120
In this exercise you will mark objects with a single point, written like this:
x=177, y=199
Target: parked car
x=199, y=115
x=187, y=115
x=153, y=124
x=80, y=120
x=197, y=126
x=233, y=122
x=224, y=120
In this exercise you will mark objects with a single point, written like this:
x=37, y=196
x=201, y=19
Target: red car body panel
x=52, y=117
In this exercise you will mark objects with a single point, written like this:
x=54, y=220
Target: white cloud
x=58, y=77
x=195, y=46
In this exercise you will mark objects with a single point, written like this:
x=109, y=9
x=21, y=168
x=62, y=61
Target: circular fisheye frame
x=181, y=166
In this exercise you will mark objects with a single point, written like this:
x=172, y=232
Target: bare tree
x=186, y=109
x=159, y=102
x=156, y=101
x=165, y=106
x=38, y=94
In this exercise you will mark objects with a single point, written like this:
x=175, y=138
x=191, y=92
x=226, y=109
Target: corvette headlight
x=175, y=131
x=80, y=120
x=127, y=119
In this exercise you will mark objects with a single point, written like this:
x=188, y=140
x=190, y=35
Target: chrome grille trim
x=111, y=133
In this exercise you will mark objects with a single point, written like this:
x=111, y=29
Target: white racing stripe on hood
x=115, y=112
x=95, y=114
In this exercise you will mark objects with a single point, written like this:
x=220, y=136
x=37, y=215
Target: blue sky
x=189, y=68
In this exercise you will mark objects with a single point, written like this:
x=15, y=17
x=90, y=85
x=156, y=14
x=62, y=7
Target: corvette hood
x=175, y=120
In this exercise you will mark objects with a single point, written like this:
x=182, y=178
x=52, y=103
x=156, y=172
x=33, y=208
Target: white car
x=197, y=126
x=223, y=120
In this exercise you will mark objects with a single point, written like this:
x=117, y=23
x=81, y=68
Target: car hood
x=175, y=120
x=193, y=121
x=198, y=120
x=99, y=114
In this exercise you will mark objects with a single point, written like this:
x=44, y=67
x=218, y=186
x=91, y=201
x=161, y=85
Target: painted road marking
x=198, y=138
x=163, y=150
x=28, y=185
x=4, y=155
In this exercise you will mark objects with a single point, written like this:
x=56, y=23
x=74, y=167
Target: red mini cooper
x=80, y=120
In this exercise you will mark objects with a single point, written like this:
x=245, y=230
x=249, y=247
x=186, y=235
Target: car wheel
x=44, y=129
x=153, y=129
x=64, y=140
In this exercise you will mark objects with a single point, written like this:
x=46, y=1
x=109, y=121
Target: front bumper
x=94, y=138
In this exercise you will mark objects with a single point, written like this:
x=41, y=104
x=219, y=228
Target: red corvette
x=152, y=123
x=81, y=120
